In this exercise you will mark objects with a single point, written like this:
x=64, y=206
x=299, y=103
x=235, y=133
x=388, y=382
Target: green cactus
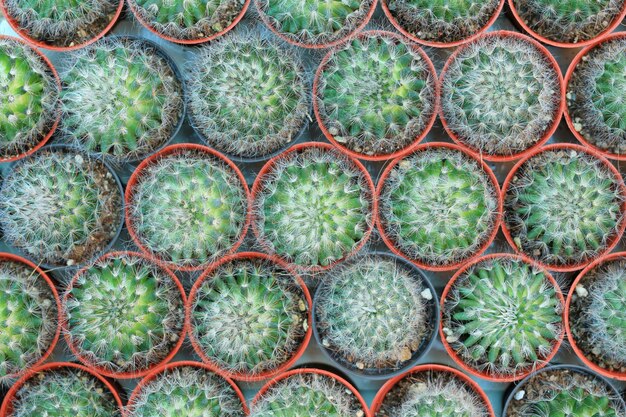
x=121, y=98
x=501, y=94
x=563, y=207
x=28, y=317
x=249, y=316
x=314, y=207
x=569, y=21
x=60, y=206
x=442, y=21
x=377, y=94
x=64, y=392
x=315, y=22
x=248, y=97
x=62, y=23
x=455, y=190
x=374, y=314
x=189, y=20
x=29, y=98
x=185, y=390
x=124, y=314
x=188, y=207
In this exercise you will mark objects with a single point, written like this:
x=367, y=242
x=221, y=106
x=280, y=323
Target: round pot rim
x=77, y=352
x=555, y=120
x=497, y=218
x=578, y=148
x=429, y=123
x=240, y=376
x=163, y=153
x=485, y=375
x=40, y=44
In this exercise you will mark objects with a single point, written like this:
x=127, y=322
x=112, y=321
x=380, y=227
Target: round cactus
x=453, y=188
x=186, y=390
x=124, y=314
x=248, y=96
x=249, y=316
x=501, y=94
x=187, y=206
x=312, y=206
x=376, y=94
x=502, y=316
x=374, y=314
x=62, y=23
x=29, y=98
x=563, y=206
x=60, y=206
x=121, y=98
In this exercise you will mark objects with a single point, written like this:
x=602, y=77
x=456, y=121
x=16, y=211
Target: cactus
x=501, y=94
x=313, y=207
x=124, y=314
x=454, y=189
x=594, y=96
x=248, y=96
x=189, y=20
x=28, y=317
x=29, y=98
x=122, y=98
x=62, y=23
x=374, y=314
x=188, y=207
x=569, y=21
x=564, y=207
x=502, y=316
x=313, y=23
x=60, y=206
x=376, y=94
x=442, y=21
x=249, y=316
x=62, y=392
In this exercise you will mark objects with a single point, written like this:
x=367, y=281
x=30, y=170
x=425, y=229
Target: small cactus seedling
x=564, y=206
x=312, y=205
x=248, y=96
x=28, y=317
x=377, y=94
x=60, y=206
x=121, y=98
x=29, y=98
x=187, y=205
x=375, y=314
x=186, y=390
x=501, y=94
x=249, y=316
x=502, y=317
x=595, y=101
x=439, y=183
x=124, y=314
x=61, y=23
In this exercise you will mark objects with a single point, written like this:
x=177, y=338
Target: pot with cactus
x=456, y=188
x=431, y=391
x=122, y=98
x=249, y=315
x=375, y=315
x=61, y=25
x=248, y=95
x=376, y=96
x=186, y=389
x=563, y=206
x=501, y=95
x=61, y=206
x=29, y=97
x=312, y=206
